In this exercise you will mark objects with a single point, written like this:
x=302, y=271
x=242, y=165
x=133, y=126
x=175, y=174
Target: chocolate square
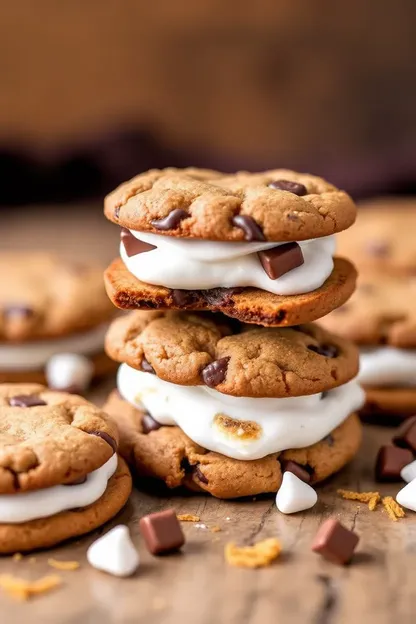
x=335, y=542
x=281, y=259
x=390, y=461
x=162, y=532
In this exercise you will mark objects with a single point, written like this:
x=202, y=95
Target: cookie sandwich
x=60, y=475
x=50, y=307
x=258, y=247
x=380, y=317
x=215, y=405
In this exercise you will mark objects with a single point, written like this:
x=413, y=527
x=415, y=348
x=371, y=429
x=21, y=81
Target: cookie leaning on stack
x=60, y=475
x=217, y=403
x=50, y=306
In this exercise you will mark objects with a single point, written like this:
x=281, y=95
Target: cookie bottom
x=388, y=406
x=46, y=532
x=102, y=366
x=169, y=455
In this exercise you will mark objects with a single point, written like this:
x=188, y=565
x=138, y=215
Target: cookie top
x=249, y=305
x=49, y=438
x=276, y=205
x=383, y=238
x=381, y=312
x=42, y=296
x=232, y=357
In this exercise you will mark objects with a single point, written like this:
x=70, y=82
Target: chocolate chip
x=324, y=394
x=149, y=423
x=117, y=211
x=26, y=400
x=390, y=460
x=183, y=298
x=133, y=245
x=171, y=221
x=288, y=185
x=335, y=542
x=252, y=231
x=78, y=481
x=329, y=439
x=281, y=259
x=215, y=373
x=379, y=249
x=200, y=475
x=292, y=216
x=300, y=471
x=107, y=438
x=162, y=532
x=326, y=350
x=18, y=311
x=406, y=435
x=147, y=367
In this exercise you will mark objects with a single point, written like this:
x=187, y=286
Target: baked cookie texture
x=169, y=455
x=56, y=439
x=250, y=305
x=53, y=438
x=389, y=404
x=42, y=296
x=382, y=311
x=276, y=205
x=46, y=532
x=235, y=358
x=383, y=238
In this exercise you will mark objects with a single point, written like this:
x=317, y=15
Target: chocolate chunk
x=288, y=185
x=183, y=298
x=149, y=423
x=117, y=211
x=107, y=438
x=215, y=373
x=281, y=259
x=329, y=439
x=335, y=542
x=252, y=231
x=390, y=460
x=326, y=350
x=300, y=471
x=200, y=475
x=26, y=400
x=78, y=481
x=18, y=311
x=162, y=532
x=171, y=221
x=133, y=245
x=379, y=249
x=147, y=367
x=406, y=435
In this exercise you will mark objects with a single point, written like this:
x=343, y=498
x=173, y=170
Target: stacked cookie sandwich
x=60, y=475
x=50, y=307
x=224, y=381
x=381, y=317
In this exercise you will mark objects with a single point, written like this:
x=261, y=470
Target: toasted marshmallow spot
x=241, y=429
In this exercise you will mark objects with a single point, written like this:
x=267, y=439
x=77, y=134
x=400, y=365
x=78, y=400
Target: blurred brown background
x=93, y=92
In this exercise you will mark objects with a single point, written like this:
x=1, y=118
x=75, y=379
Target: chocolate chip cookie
x=60, y=475
x=234, y=358
x=276, y=205
x=383, y=237
x=167, y=454
x=250, y=305
x=49, y=306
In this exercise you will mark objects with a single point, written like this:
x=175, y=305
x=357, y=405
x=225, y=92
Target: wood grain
x=197, y=585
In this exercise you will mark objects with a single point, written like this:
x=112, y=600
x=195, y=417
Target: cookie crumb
x=188, y=518
x=17, y=557
x=372, y=498
x=393, y=509
x=215, y=529
x=257, y=556
x=23, y=590
x=63, y=565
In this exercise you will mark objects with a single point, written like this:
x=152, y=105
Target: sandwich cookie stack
x=60, y=475
x=381, y=316
x=53, y=318
x=224, y=381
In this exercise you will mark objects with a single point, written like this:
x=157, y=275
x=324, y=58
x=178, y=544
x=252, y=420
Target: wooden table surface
x=197, y=584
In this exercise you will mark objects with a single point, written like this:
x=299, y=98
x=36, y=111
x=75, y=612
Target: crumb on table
x=372, y=498
x=257, y=556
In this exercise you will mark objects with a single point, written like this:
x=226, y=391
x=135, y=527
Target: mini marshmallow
x=69, y=371
x=294, y=495
x=114, y=552
x=408, y=473
x=407, y=495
